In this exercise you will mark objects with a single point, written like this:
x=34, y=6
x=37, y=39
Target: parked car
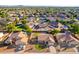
x=20, y=47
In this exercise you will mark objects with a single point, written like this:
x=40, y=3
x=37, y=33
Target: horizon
x=38, y=6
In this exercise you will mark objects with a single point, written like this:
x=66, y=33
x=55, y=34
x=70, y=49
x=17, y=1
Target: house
x=43, y=25
x=51, y=18
x=54, y=24
x=1, y=35
x=47, y=40
x=30, y=19
x=17, y=38
x=42, y=38
x=66, y=40
x=3, y=21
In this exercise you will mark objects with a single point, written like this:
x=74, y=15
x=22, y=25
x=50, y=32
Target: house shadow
x=33, y=41
x=10, y=47
x=1, y=45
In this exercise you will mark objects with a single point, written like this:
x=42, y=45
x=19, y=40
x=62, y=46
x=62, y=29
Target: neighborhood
x=39, y=30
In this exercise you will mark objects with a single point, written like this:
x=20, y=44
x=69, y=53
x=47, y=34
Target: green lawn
x=39, y=47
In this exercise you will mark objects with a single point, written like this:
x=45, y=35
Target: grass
x=39, y=47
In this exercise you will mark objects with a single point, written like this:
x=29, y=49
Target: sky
x=40, y=2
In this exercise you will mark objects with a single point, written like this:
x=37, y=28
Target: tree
x=8, y=19
x=10, y=27
x=16, y=21
x=47, y=20
x=3, y=14
x=74, y=28
x=28, y=31
x=23, y=21
x=54, y=32
x=63, y=22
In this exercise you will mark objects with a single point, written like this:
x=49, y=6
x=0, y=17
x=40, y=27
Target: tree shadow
x=3, y=45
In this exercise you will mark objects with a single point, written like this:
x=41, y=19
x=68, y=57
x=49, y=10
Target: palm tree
x=16, y=21
x=28, y=31
x=74, y=29
x=54, y=32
